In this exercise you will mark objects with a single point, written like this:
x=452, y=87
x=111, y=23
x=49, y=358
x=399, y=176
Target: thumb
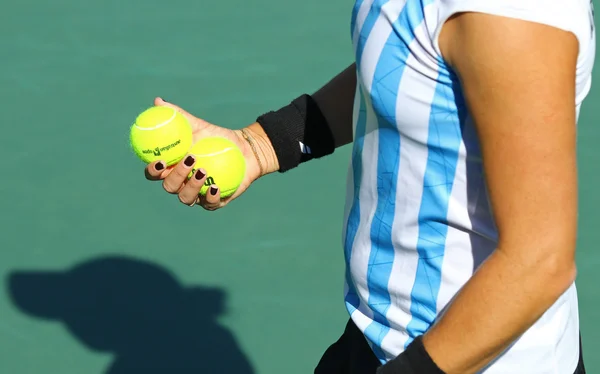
x=194, y=121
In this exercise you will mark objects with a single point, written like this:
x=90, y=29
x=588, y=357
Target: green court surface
x=102, y=271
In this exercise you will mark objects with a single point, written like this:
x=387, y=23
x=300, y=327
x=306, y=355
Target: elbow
x=556, y=270
x=560, y=276
x=547, y=264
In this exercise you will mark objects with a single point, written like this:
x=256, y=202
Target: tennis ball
x=161, y=133
x=223, y=162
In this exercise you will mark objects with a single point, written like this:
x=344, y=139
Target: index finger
x=156, y=170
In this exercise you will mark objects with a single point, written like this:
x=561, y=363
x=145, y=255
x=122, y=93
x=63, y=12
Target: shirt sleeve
x=575, y=16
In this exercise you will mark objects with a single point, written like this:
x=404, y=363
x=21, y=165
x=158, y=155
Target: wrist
x=258, y=150
x=414, y=360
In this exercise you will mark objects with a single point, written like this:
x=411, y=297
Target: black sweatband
x=414, y=360
x=298, y=132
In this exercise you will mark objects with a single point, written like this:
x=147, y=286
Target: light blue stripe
x=384, y=93
x=443, y=143
x=352, y=301
x=355, y=10
x=367, y=27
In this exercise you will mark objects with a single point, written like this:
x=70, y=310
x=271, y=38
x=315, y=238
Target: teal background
x=73, y=76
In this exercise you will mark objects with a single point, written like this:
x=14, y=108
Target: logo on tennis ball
x=158, y=150
x=209, y=181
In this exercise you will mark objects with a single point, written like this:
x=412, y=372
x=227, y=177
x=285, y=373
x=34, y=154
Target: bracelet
x=414, y=360
x=253, y=147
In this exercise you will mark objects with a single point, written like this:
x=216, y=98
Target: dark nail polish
x=199, y=174
x=159, y=166
x=164, y=100
x=213, y=190
x=189, y=161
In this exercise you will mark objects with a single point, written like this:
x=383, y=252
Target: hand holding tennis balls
x=163, y=133
x=195, y=179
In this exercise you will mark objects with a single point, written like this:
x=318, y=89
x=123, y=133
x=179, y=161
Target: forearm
x=499, y=303
x=336, y=101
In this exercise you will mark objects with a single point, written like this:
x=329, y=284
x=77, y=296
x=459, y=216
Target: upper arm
x=518, y=80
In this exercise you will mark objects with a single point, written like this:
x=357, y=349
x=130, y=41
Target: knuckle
x=212, y=205
x=182, y=172
x=209, y=206
x=184, y=200
x=170, y=187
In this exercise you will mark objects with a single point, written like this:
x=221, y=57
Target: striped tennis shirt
x=418, y=222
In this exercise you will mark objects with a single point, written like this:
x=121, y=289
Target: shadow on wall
x=138, y=311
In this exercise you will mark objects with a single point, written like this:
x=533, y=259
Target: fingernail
x=159, y=166
x=199, y=174
x=213, y=190
x=189, y=161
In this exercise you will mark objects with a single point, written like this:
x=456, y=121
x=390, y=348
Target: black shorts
x=352, y=355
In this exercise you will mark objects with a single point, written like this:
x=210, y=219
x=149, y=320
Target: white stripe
x=159, y=125
x=350, y=175
x=356, y=108
x=457, y=266
x=368, y=203
x=413, y=161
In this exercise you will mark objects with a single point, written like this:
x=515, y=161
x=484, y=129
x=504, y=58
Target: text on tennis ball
x=158, y=150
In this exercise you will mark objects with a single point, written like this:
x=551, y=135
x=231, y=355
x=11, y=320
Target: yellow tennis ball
x=223, y=162
x=161, y=133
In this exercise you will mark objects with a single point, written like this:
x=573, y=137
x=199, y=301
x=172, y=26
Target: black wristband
x=414, y=360
x=298, y=132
